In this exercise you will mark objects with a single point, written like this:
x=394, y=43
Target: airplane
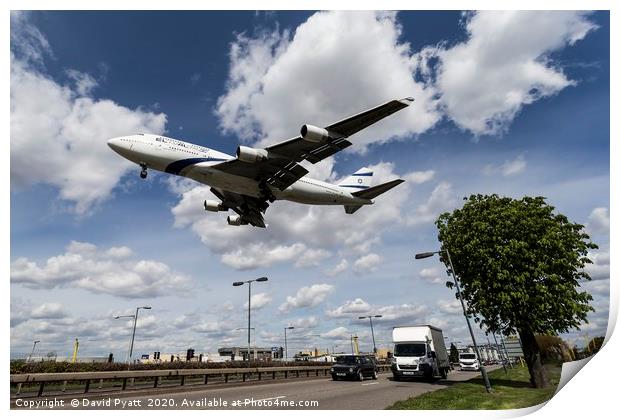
x=254, y=178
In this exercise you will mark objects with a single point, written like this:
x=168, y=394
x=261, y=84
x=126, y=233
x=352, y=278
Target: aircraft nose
x=115, y=144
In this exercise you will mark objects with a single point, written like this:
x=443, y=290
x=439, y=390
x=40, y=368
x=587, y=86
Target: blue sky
x=525, y=112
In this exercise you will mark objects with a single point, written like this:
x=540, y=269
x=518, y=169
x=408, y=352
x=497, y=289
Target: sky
x=513, y=103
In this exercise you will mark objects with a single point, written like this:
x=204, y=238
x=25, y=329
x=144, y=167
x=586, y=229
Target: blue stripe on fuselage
x=353, y=186
x=364, y=174
x=177, y=166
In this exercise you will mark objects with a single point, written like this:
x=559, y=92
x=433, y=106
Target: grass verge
x=510, y=390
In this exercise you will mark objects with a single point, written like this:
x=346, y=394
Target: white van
x=469, y=361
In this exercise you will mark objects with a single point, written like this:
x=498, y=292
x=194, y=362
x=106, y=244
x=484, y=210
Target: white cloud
x=339, y=268
x=48, y=311
x=59, y=133
x=259, y=301
x=23, y=312
x=441, y=199
x=598, y=221
x=599, y=269
x=258, y=255
x=404, y=312
x=367, y=263
x=332, y=77
x=504, y=64
x=420, y=177
x=84, y=82
x=309, y=322
x=508, y=168
x=119, y=252
x=312, y=258
x=349, y=308
x=433, y=275
x=450, y=306
x=338, y=333
x=84, y=266
x=27, y=42
x=307, y=297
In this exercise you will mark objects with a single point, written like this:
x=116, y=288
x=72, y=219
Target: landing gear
x=266, y=192
x=143, y=172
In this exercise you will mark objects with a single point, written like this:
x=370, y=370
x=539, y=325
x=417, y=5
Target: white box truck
x=419, y=351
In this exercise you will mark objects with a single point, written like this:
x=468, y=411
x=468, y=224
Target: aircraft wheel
x=143, y=173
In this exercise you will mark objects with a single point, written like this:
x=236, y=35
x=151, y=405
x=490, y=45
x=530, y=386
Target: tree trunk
x=531, y=352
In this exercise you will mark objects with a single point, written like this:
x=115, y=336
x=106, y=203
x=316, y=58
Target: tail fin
x=359, y=181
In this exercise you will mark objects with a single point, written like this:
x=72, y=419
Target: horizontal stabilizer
x=372, y=192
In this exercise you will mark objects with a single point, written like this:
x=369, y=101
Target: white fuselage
x=198, y=163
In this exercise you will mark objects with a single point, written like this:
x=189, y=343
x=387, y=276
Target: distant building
x=241, y=353
x=157, y=357
x=83, y=359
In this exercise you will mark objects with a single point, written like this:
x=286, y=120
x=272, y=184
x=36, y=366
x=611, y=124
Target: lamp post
x=483, y=371
x=245, y=328
x=372, y=331
x=286, y=343
x=133, y=334
x=249, y=283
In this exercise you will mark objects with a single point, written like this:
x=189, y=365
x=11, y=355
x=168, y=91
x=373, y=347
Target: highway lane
x=320, y=393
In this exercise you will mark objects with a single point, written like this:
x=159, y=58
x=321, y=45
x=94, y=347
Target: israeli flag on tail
x=360, y=180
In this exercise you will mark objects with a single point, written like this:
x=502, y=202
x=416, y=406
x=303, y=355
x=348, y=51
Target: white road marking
x=370, y=383
x=272, y=398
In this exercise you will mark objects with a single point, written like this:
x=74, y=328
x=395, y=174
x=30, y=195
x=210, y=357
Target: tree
x=553, y=349
x=595, y=345
x=519, y=265
x=454, y=354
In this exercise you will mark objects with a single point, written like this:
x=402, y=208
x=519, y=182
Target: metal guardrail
x=158, y=374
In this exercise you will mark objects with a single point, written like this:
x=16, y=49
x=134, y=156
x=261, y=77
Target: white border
x=589, y=395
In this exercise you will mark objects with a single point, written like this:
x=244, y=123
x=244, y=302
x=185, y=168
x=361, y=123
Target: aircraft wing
x=281, y=169
x=250, y=209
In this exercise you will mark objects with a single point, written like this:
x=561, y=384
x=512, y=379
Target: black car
x=354, y=367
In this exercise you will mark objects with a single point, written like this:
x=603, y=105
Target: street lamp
x=370, y=317
x=254, y=329
x=249, y=282
x=286, y=343
x=133, y=334
x=483, y=371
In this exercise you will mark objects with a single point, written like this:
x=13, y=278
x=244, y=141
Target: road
x=321, y=393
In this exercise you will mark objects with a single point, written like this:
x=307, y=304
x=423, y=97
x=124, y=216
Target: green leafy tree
x=454, y=354
x=519, y=265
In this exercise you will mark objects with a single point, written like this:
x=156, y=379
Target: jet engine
x=250, y=155
x=212, y=205
x=236, y=220
x=316, y=134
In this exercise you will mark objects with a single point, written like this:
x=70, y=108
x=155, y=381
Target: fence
x=43, y=379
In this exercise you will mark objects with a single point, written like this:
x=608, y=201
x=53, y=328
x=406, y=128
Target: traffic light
x=190, y=354
x=156, y=355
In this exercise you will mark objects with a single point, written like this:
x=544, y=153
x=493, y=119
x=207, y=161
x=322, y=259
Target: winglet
x=407, y=101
